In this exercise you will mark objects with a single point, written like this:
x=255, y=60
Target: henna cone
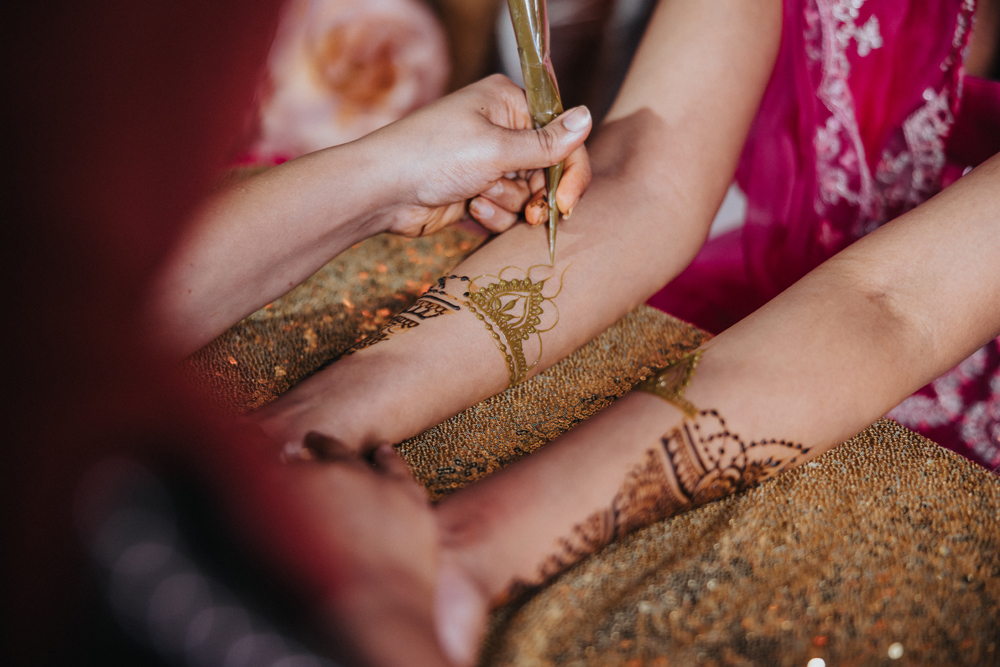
x=531, y=26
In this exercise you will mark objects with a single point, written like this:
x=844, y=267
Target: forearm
x=254, y=241
x=809, y=370
x=661, y=167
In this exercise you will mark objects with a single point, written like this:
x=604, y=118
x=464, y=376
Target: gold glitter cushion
x=273, y=349
x=887, y=543
x=501, y=429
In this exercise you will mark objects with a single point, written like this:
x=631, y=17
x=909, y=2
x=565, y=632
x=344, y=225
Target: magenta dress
x=868, y=113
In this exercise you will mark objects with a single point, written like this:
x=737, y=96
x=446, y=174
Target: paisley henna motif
x=646, y=496
x=512, y=312
x=710, y=462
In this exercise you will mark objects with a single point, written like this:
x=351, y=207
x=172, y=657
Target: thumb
x=544, y=147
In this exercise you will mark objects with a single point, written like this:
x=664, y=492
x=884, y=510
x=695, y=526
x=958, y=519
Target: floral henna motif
x=704, y=461
x=512, y=311
x=435, y=302
x=710, y=462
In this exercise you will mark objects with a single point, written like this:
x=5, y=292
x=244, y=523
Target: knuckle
x=548, y=143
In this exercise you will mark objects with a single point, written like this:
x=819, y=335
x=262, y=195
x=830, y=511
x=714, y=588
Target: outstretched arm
x=662, y=163
x=809, y=370
x=255, y=241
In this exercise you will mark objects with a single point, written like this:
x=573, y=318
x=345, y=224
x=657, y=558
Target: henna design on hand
x=435, y=302
x=710, y=462
x=700, y=460
x=512, y=311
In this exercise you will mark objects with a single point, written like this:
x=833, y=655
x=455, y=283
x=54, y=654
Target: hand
x=478, y=144
x=380, y=534
x=385, y=517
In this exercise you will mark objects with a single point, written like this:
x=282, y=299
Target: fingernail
x=457, y=612
x=576, y=120
x=482, y=209
x=495, y=191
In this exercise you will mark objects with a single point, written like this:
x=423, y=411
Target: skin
x=840, y=347
x=253, y=242
x=662, y=162
x=812, y=368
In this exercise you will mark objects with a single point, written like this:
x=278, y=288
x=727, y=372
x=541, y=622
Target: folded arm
x=662, y=163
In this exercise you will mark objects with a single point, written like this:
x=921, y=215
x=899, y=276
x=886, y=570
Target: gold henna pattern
x=435, y=302
x=671, y=381
x=512, y=311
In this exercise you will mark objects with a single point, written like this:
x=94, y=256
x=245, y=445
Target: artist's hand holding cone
x=477, y=149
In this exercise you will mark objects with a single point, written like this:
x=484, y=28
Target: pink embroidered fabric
x=867, y=114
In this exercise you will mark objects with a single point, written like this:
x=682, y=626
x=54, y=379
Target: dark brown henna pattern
x=710, y=462
x=646, y=496
x=435, y=302
x=704, y=461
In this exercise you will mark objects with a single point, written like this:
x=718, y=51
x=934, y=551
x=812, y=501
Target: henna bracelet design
x=512, y=311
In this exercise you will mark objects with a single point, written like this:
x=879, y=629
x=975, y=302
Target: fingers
x=498, y=208
x=490, y=216
x=508, y=194
x=390, y=462
x=535, y=149
x=537, y=210
x=575, y=180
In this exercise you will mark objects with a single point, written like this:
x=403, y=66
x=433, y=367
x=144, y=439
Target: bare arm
x=662, y=164
x=255, y=241
x=809, y=370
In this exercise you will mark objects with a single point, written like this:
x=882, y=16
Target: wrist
x=372, y=191
x=390, y=180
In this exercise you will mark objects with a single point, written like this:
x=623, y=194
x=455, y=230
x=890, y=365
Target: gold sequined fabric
x=884, y=551
x=501, y=429
x=273, y=349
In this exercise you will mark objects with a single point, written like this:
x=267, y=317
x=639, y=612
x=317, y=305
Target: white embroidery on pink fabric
x=959, y=43
x=980, y=425
x=902, y=179
x=841, y=168
x=912, y=175
x=978, y=421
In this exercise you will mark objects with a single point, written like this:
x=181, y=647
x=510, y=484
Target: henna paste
x=671, y=381
x=710, y=462
x=511, y=310
x=435, y=302
x=646, y=496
